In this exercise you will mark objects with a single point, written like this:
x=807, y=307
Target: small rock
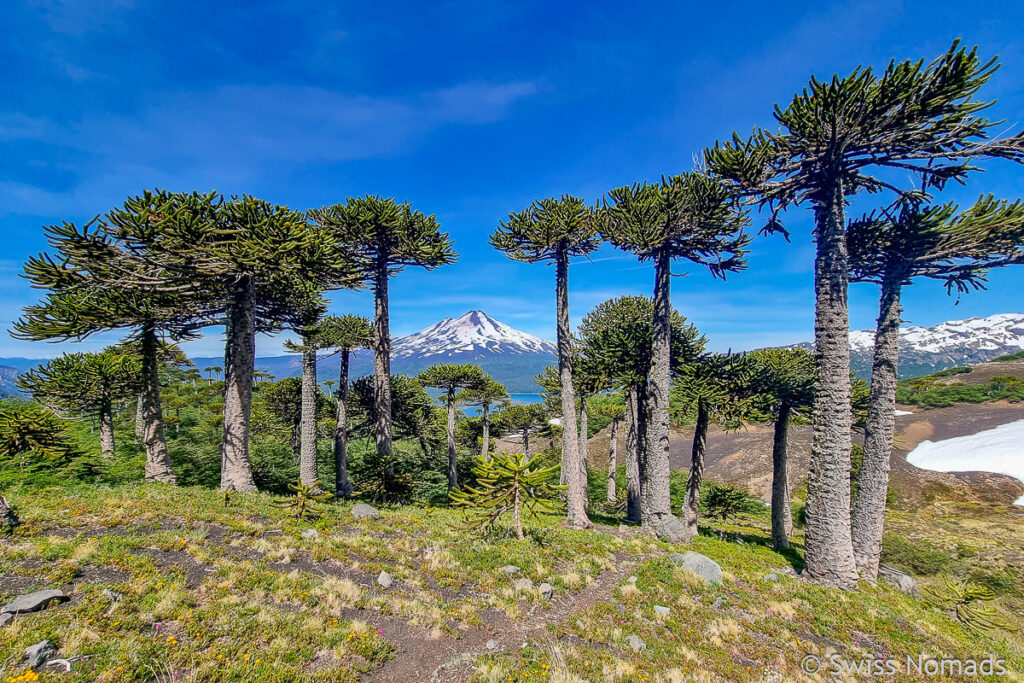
x=891, y=575
x=40, y=652
x=492, y=644
x=310, y=534
x=8, y=519
x=509, y=569
x=719, y=601
x=272, y=532
x=5, y=619
x=363, y=510
x=673, y=530
x=771, y=578
x=701, y=565
x=33, y=602
x=635, y=643
x=385, y=580
x=661, y=610
x=546, y=590
x=113, y=596
x=623, y=527
x=524, y=584
x=632, y=579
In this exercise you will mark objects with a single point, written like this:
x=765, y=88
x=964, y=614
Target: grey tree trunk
x=634, y=439
x=526, y=442
x=453, y=472
x=869, y=509
x=577, y=494
x=107, y=430
x=342, y=485
x=828, y=544
x=158, y=461
x=613, y=452
x=656, y=507
x=307, y=422
x=696, y=475
x=485, y=448
x=140, y=421
x=584, y=446
x=382, y=370
x=239, y=355
x=782, y=515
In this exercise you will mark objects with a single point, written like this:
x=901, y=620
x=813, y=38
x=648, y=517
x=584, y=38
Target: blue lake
x=514, y=398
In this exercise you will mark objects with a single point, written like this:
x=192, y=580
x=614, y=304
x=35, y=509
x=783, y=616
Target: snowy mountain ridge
x=999, y=333
x=472, y=334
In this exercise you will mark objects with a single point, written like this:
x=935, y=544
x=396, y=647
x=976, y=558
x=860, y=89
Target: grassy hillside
x=241, y=592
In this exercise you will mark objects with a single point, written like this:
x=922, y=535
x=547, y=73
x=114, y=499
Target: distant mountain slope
x=924, y=350
x=510, y=356
x=8, y=377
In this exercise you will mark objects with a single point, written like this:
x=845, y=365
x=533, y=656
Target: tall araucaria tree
x=891, y=249
x=344, y=334
x=615, y=413
x=711, y=389
x=523, y=418
x=485, y=398
x=450, y=378
x=617, y=336
x=312, y=341
x=381, y=237
x=557, y=230
x=838, y=138
x=782, y=389
x=88, y=384
x=690, y=216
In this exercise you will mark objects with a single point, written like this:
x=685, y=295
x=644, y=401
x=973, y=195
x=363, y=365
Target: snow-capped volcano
x=474, y=334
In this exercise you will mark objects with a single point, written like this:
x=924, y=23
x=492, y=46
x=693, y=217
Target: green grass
x=209, y=597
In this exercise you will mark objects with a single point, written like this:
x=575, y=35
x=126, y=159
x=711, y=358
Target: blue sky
x=467, y=109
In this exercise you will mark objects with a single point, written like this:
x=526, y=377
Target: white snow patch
x=902, y=412
x=993, y=450
x=473, y=331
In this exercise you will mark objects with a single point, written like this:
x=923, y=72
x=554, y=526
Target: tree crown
x=547, y=230
x=452, y=376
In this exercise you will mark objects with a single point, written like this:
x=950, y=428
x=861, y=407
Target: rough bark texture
x=382, y=370
x=869, y=509
x=453, y=472
x=782, y=516
x=485, y=447
x=584, y=446
x=158, y=462
x=526, y=442
x=656, y=507
x=308, y=474
x=828, y=544
x=342, y=484
x=633, y=448
x=696, y=475
x=577, y=495
x=140, y=421
x=240, y=353
x=613, y=452
x=107, y=431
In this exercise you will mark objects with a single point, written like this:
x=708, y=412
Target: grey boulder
x=673, y=530
x=546, y=590
x=38, y=654
x=891, y=575
x=661, y=610
x=701, y=565
x=33, y=602
x=385, y=580
x=363, y=510
x=509, y=569
x=635, y=643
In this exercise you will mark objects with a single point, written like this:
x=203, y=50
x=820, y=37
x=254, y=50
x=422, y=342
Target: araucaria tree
x=557, y=230
x=88, y=384
x=615, y=413
x=381, y=237
x=523, y=418
x=891, y=249
x=450, y=378
x=618, y=337
x=484, y=397
x=690, y=216
x=838, y=138
x=344, y=334
x=781, y=389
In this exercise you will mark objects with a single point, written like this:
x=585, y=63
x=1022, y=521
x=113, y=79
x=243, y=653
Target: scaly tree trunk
x=782, y=515
x=485, y=448
x=308, y=474
x=696, y=476
x=342, y=485
x=239, y=356
x=576, y=500
x=140, y=421
x=634, y=440
x=382, y=369
x=869, y=509
x=106, y=430
x=828, y=544
x=453, y=473
x=613, y=452
x=526, y=442
x=584, y=445
x=656, y=507
x=158, y=462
